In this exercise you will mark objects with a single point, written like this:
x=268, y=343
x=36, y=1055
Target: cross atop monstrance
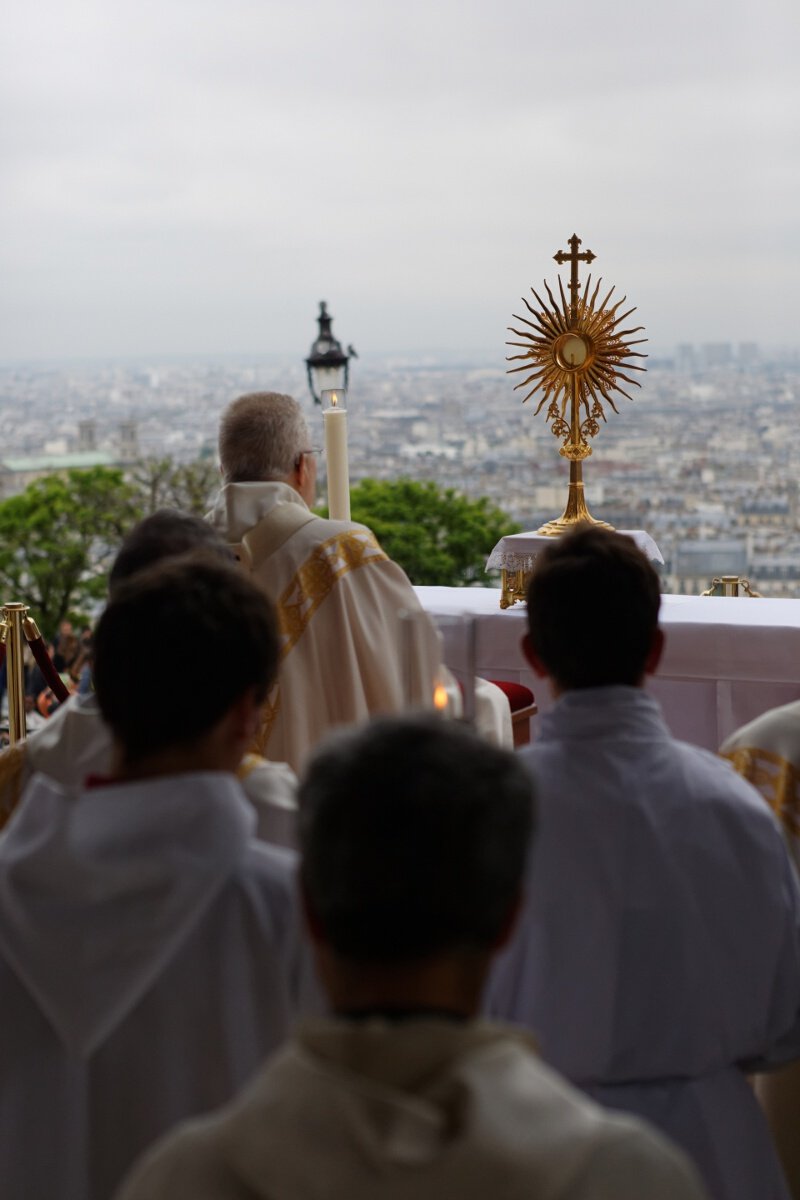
x=573, y=258
x=573, y=351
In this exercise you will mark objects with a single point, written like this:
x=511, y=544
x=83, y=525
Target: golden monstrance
x=573, y=354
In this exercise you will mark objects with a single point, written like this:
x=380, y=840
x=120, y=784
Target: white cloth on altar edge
x=518, y=551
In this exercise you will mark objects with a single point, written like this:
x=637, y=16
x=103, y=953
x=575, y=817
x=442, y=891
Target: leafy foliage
x=58, y=539
x=437, y=535
x=189, y=487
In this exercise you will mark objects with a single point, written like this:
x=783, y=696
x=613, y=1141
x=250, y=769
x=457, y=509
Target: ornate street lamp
x=327, y=364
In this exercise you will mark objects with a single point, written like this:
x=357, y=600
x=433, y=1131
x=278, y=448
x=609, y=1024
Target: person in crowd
x=766, y=752
x=338, y=596
x=150, y=949
x=75, y=742
x=81, y=667
x=35, y=682
x=68, y=649
x=64, y=638
x=658, y=955
x=414, y=838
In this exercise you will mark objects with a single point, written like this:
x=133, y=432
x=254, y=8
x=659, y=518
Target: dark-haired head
x=178, y=645
x=165, y=534
x=593, y=602
x=414, y=836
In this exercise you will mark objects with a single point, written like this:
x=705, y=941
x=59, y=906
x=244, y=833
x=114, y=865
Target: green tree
x=58, y=538
x=437, y=535
x=163, y=483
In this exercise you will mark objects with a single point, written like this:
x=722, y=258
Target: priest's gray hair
x=260, y=437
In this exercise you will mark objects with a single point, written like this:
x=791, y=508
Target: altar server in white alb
x=658, y=955
x=338, y=596
x=149, y=946
x=75, y=742
x=403, y=1093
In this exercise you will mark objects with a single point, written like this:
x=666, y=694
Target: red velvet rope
x=45, y=665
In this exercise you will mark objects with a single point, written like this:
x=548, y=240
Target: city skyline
x=706, y=460
x=683, y=356
x=181, y=181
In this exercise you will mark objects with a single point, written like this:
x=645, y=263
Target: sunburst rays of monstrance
x=574, y=352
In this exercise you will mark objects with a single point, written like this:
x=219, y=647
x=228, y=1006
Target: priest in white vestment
x=338, y=596
x=766, y=752
x=404, y=1093
x=658, y=955
x=76, y=743
x=150, y=951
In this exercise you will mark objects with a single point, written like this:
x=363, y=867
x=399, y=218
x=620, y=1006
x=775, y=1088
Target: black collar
x=401, y=1014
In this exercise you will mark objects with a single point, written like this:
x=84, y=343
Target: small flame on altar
x=440, y=697
x=334, y=400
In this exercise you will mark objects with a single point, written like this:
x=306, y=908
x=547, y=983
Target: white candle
x=335, y=424
x=419, y=657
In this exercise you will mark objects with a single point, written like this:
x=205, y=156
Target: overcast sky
x=192, y=176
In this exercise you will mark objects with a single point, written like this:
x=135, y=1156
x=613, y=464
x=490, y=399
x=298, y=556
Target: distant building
x=128, y=441
x=696, y=563
x=87, y=436
x=778, y=568
x=775, y=512
x=622, y=518
x=17, y=472
x=717, y=354
x=685, y=358
x=749, y=354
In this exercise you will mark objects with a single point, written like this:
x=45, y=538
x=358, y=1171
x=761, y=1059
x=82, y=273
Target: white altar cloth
x=516, y=551
x=726, y=660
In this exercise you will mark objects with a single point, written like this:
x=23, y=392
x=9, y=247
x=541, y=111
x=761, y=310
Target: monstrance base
x=565, y=523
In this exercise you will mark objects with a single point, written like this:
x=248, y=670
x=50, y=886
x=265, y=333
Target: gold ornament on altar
x=574, y=351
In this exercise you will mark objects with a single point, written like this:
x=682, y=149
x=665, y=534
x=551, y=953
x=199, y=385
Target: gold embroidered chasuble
x=766, y=752
x=338, y=598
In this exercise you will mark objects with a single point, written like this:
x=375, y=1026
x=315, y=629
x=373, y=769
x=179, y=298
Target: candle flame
x=334, y=400
x=440, y=697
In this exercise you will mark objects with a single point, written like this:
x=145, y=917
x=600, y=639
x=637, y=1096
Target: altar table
x=726, y=659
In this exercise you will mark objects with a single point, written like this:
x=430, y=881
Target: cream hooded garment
x=418, y=1110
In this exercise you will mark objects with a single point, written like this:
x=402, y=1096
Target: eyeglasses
x=315, y=450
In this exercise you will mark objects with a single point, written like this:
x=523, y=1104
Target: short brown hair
x=593, y=602
x=166, y=533
x=177, y=645
x=414, y=834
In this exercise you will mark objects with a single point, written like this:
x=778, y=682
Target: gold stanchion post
x=13, y=617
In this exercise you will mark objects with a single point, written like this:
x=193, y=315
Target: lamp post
x=327, y=364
